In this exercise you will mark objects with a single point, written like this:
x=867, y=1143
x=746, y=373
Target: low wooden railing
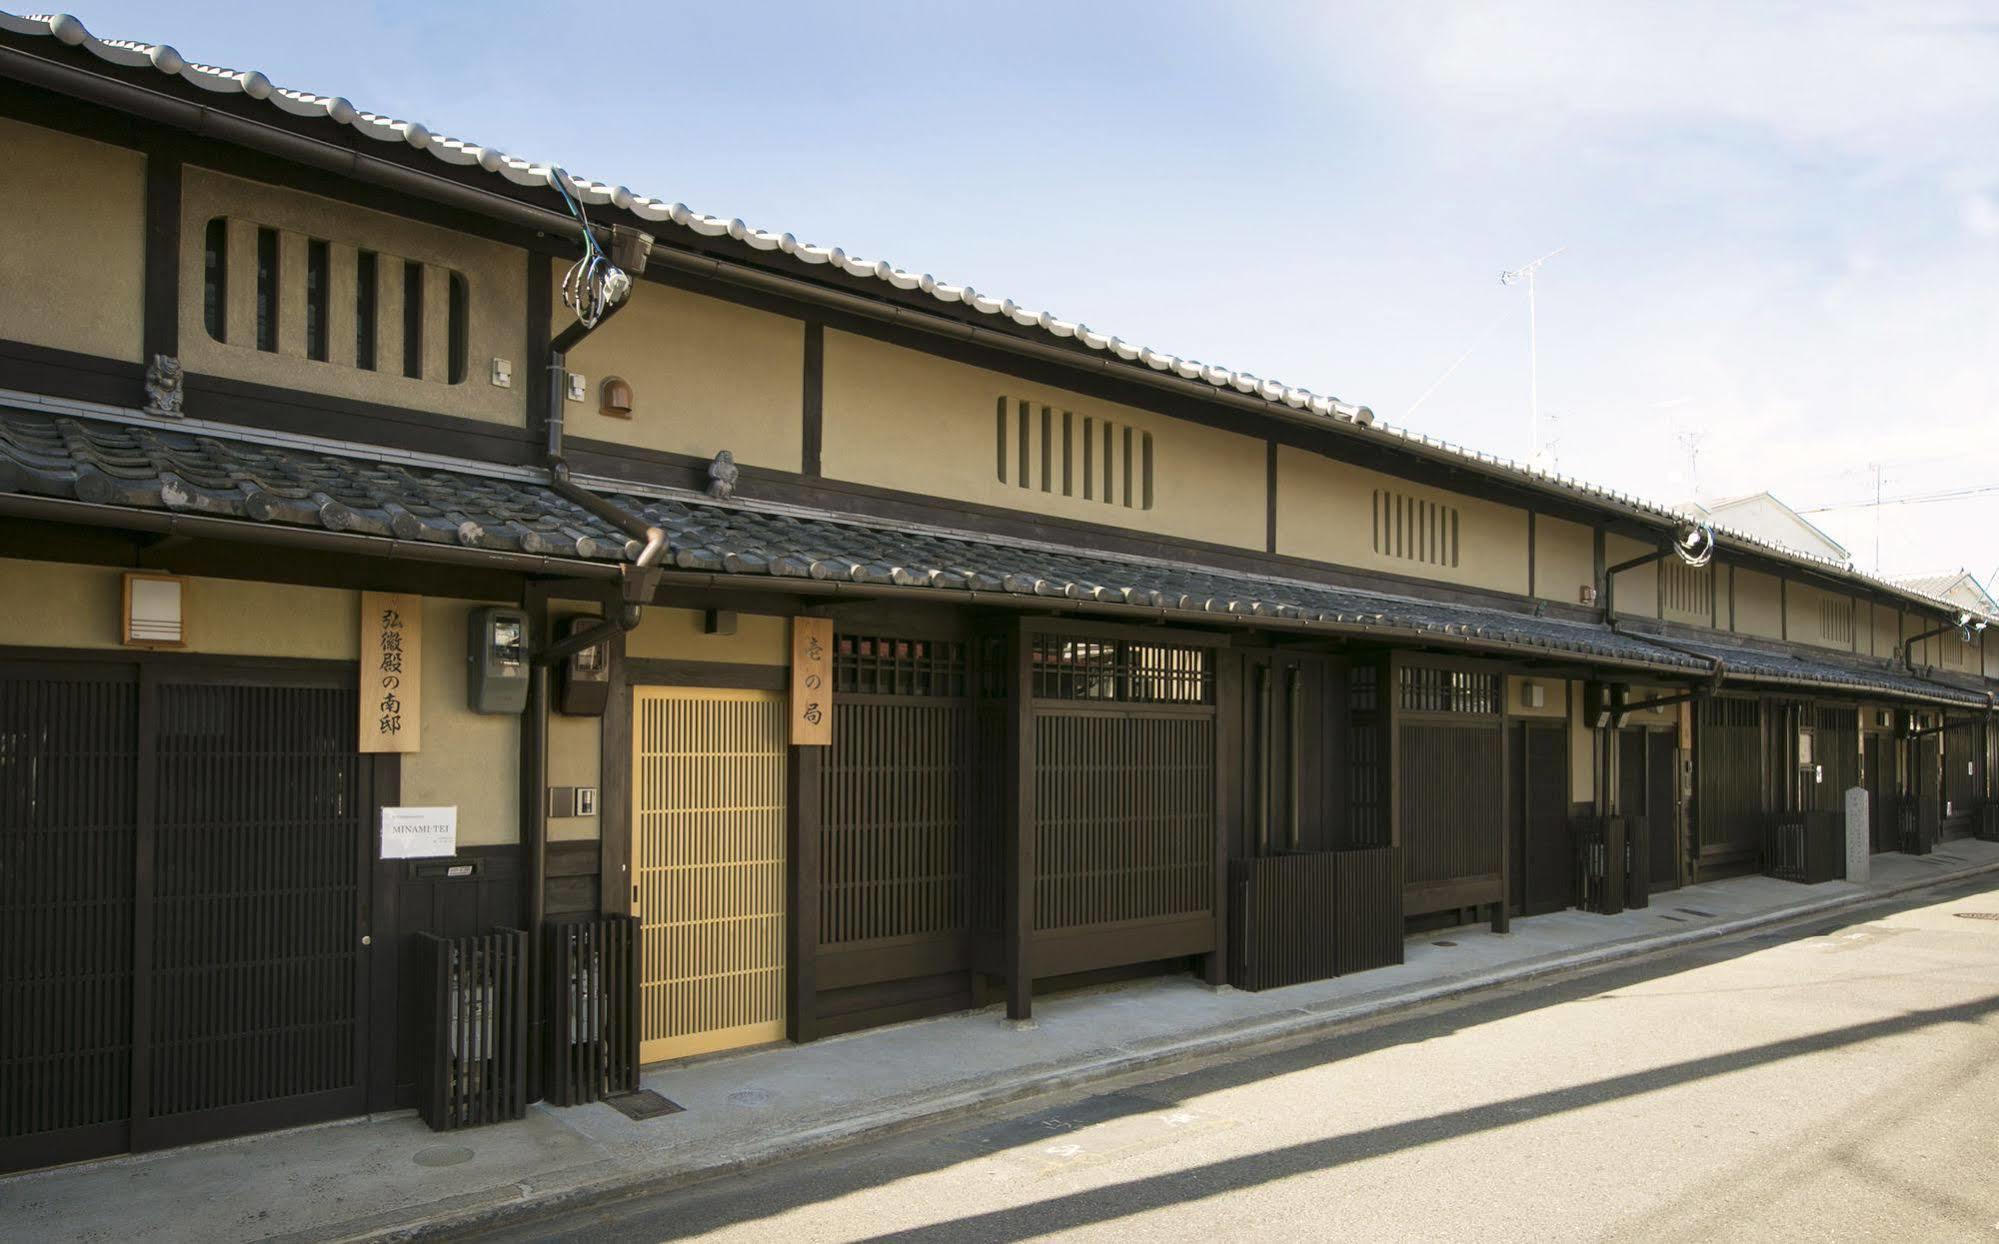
x=1987, y=829
x=1806, y=847
x=474, y=1031
x=1613, y=854
x=1308, y=916
x=1912, y=835
x=590, y=971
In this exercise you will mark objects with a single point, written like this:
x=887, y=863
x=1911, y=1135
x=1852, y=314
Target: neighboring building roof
x=1958, y=587
x=517, y=171
x=1764, y=514
x=107, y=457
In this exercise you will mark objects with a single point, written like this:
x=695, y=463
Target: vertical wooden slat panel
x=709, y=858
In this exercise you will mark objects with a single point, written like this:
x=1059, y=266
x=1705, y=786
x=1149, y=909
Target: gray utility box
x=497, y=654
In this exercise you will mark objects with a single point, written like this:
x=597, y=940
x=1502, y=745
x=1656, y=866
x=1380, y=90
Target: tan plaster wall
x=59, y=605
x=471, y=760
x=1554, y=694
x=575, y=751
x=1325, y=511
x=676, y=635
x=495, y=278
x=72, y=243
x=1882, y=635
x=706, y=375
x=1758, y=603
x=1807, y=623
x=1582, y=750
x=1666, y=716
x=1564, y=559
x=1637, y=588
x=901, y=419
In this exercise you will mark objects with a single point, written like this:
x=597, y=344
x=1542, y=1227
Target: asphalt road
x=1830, y=1080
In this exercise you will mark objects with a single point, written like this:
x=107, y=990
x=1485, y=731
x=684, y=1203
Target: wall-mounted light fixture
x=617, y=398
x=155, y=610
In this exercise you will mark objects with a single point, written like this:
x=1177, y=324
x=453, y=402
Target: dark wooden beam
x=161, y=301
x=801, y=878
x=812, y=406
x=1018, y=826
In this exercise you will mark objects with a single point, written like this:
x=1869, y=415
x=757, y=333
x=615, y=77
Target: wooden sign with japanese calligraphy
x=812, y=681
x=391, y=672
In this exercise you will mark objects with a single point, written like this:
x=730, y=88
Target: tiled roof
x=520, y=171
x=107, y=457
x=1794, y=669
x=148, y=464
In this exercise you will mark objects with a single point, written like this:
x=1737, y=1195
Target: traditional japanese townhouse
x=866, y=646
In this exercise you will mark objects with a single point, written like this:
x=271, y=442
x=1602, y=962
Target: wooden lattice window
x=1412, y=529
x=1421, y=689
x=1836, y=620
x=1046, y=449
x=1119, y=671
x=880, y=665
x=1686, y=589
x=301, y=312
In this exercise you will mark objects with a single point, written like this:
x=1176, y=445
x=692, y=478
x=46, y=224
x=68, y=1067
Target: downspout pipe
x=646, y=542
x=1717, y=669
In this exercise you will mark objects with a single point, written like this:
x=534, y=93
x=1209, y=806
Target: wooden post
x=1502, y=921
x=1228, y=773
x=1019, y=825
x=802, y=887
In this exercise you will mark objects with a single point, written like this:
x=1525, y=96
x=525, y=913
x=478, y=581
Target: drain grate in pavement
x=1976, y=915
x=642, y=1105
x=1695, y=911
x=1443, y=943
x=1674, y=919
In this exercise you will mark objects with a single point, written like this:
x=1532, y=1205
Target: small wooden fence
x=1613, y=855
x=1309, y=916
x=1915, y=834
x=1988, y=823
x=1806, y=847
x=590, y=970
x=474, y=1035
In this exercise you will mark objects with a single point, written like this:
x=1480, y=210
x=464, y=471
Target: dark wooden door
x=1544, y=857
x=1662, y=807
x=1928, y=783
x=184, y=893
x=1292, y=750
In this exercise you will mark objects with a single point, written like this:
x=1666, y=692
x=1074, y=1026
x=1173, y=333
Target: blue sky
x=1781, y=222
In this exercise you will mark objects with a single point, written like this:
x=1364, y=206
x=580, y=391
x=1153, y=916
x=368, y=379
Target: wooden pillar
x=1501, y=917
x=1019, y=824
x=802, y=888
x=1228, y=801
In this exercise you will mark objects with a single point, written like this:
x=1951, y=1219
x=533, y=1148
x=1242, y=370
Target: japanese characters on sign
x=391, y=672
x=812, y=681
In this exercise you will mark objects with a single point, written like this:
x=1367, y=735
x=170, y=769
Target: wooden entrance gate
x=708, y=843
x=1544, y=853
x=183, y=856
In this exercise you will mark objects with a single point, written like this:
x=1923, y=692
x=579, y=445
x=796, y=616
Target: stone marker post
x=1859, y=843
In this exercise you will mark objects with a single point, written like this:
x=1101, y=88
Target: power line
x=1915, y=498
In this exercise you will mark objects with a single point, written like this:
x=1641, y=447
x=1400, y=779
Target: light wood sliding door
x=708, y=826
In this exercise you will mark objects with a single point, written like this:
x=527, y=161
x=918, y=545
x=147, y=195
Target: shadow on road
x=734, y=1202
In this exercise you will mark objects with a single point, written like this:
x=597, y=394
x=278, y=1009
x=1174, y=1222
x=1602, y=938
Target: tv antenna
x=1514, y=276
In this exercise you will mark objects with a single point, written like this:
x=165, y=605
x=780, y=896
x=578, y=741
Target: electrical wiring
x=1696, y=548
x=593, y=284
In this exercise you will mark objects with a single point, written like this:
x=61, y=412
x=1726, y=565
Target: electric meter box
x=497, y=652
x=583, y=681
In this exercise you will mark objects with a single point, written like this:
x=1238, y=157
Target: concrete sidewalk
x=391, y=1176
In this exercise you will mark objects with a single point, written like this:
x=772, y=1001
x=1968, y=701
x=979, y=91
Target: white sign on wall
x=419, y=833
